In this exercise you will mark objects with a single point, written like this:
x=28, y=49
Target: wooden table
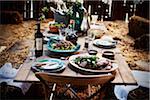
x=123, y=73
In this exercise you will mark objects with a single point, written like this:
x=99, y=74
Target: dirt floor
x=19, y=40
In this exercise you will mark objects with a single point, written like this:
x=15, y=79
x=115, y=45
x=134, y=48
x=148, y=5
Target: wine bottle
x=38, y=42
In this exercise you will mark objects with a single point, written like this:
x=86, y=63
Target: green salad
x=92, y=62
x=63, y=45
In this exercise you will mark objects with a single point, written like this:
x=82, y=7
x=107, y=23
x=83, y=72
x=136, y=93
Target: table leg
x=53, y=90
x=89, y=89
x=72, y=91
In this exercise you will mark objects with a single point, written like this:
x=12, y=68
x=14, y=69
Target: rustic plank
x=22, y=75
x=124, y=70
x=123, y=74
x=32, y=78
x=68, y=72
x=27, y=64
x=118, y=79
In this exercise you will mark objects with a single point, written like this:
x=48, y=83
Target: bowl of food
x=108, y=54
x=92, y=52
x=92, y=63
x=62, y=46
x=54, y=27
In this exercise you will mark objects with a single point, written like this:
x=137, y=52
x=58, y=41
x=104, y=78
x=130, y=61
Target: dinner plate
x=48, y=64
x=51, y=71
x=55, y=40
x=73, y=57
x=104, y=43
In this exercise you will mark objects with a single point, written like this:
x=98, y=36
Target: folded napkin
x=142, y=78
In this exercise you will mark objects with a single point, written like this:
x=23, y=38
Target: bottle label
x=39, y=43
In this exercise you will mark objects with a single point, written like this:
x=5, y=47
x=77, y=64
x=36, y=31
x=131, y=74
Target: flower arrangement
x=68, y=9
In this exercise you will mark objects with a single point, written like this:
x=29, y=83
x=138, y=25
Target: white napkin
x=6, y=71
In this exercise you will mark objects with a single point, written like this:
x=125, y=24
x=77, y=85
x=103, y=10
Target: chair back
x=79, y=80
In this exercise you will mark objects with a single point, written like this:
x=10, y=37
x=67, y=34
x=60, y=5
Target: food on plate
x=93, y=62
x=45, y=64
x=53, y=27
x=63, y=45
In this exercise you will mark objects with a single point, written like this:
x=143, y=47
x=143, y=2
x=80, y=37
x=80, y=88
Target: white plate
x=104, y=43
x=72, y=58
x=48, y=64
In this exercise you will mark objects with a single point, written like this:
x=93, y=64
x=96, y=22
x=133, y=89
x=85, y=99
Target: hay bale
x=138, y=26
x=10, y=17
x=142, y=42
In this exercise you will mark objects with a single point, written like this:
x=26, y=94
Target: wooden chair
x=68, y=81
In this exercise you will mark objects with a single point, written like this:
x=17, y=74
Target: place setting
x=47, y=64
x=92, y=63
x=106, y=42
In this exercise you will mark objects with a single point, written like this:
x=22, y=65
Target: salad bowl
x=62, y=46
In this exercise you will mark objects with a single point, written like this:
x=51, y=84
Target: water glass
x=91, y=35
x=86, y=44
x=32, y=53
x=94, y=18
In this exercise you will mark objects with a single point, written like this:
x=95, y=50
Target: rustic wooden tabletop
x=123, y=75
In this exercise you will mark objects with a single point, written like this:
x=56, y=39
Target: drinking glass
x=61, y=30
x=91, y=35
x=94, y=18
x=32, y=53
x=86, y=44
